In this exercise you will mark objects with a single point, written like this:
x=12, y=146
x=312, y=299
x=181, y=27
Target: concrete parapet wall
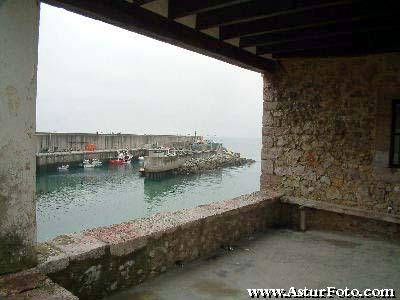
x=97, y=262
x=33, y=285
x=100, y=261
x=78, y=141
x=317, y=218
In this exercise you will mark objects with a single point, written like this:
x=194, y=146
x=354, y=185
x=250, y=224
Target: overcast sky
x=96, y=77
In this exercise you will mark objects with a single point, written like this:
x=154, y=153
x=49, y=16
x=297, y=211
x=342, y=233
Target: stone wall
x=31, y=284
x=99, y=261
x=326, y=130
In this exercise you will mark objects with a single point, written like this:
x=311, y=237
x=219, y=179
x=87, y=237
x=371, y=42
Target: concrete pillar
x=271, y=129
x=19, y=30
x=303, y=220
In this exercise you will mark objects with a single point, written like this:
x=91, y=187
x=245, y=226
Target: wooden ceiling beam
x=323, y=41
x=356, y=42
x=135, y=18
x=142, y=2
x=282, y=22
x=183, y=8
x=350, y=25
x=240, y=11
x=255, y=9
x=342, y=51
x=312, y=17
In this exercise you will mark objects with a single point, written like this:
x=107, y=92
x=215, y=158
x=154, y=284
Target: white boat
x=142, y=171
x=92, y=163
x=63, y=168
x=141, y=158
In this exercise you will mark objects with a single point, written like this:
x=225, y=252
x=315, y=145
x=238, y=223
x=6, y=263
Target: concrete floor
x=279, y=259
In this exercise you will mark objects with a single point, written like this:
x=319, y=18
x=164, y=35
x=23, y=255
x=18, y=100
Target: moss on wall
x=15, y=255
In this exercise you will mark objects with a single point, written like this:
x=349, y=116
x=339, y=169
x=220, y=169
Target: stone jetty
x=196, y=165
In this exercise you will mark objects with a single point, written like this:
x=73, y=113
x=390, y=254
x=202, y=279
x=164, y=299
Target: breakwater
x=155, y=166
x=195, y=165
x=64, y=142
x=54, y=149
x=192, y=162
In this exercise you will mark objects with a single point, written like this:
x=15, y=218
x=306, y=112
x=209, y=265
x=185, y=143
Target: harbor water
x=78, y=199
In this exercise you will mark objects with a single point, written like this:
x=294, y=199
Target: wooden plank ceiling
x=254, y=34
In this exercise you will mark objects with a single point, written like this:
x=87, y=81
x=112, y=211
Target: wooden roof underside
x=254, y=34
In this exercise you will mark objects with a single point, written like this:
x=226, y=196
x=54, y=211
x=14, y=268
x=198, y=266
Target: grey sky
x=96, y=77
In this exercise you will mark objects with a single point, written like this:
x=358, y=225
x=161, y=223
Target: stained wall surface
x=327, y=130
x=19, y=30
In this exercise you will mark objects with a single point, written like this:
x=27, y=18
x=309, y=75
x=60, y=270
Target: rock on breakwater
x=196, y=165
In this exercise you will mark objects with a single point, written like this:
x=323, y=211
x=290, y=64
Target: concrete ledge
x=74, y=158
x=65, y=153
x=307, y=214
x=97, y=262
x=353, y=211
x=33, y=285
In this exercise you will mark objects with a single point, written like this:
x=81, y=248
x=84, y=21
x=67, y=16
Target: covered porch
x=330, y=157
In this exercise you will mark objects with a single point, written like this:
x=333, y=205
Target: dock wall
x=169, y=163
x=54, y=149
x=163, y=164
x=58, y=142
x=74, y=158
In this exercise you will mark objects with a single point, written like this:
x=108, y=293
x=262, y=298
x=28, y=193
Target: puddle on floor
x=216, y=289
x=341, y=243
x=140, y=295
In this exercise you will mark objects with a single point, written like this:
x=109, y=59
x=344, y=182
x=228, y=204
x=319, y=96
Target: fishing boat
x=123, y=158
x=63, y=168
x=117, y=161
x=92, y=163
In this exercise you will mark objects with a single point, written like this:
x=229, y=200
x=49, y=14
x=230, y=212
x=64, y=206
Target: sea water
x=78, y=199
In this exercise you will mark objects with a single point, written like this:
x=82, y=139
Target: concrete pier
x=54, y=149
x=50, y=161
x=56, y=142
x=159, y=167
x=163, y=164
x=19, y=30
